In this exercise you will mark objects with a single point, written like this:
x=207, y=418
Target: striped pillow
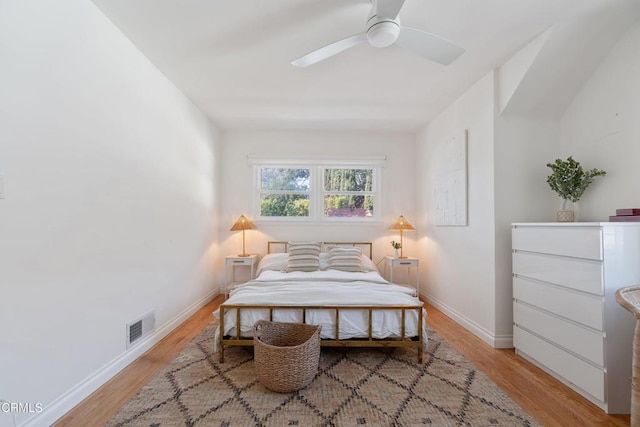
x=345, y=259
x=303, y=256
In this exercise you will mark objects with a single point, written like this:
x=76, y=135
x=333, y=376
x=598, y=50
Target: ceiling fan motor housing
x=382, y=32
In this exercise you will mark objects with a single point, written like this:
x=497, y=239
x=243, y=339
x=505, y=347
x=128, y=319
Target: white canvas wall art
x=450, y=193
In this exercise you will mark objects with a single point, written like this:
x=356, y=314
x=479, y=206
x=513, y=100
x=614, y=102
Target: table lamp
x=243, y=224
x=401, y=224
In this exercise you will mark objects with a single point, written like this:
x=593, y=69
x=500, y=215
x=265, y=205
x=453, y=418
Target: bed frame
x=402, y=341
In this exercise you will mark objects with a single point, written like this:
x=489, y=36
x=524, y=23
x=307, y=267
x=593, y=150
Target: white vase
x=395, y=254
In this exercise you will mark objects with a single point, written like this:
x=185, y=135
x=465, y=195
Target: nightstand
x=231, y=262
x=392, y=262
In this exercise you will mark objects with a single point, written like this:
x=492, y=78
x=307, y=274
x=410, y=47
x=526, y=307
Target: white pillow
x=276, y=262
x=303, y=256
x=367, y=264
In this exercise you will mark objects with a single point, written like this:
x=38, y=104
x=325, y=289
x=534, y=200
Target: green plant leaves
x=569, y=180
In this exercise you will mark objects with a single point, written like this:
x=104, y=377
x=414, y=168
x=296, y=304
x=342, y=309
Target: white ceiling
x=232, y=57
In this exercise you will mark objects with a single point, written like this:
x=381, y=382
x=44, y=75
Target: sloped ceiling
x=232, y=58
x=570, y=54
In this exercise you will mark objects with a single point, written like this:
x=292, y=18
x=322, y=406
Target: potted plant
x=569, y=180
x=396, y=246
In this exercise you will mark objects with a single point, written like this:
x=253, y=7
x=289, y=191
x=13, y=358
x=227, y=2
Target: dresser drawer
x=578, y=307
x=577, y=371
x=576, y=273
x=582, y=341
x=573, y=241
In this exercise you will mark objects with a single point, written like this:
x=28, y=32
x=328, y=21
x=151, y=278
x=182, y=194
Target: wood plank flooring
x=548, y=400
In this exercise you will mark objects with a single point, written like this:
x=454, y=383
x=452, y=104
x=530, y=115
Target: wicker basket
x=629, y=298
x=286, y=355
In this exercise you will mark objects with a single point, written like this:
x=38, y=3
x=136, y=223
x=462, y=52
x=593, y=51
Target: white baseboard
x=503, y=341
x=495, y=341
x=56, y=409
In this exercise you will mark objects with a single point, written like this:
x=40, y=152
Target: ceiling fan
x=383, y=29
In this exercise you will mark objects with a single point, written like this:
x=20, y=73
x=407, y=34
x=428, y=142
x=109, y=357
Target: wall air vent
x=140, y=328
x=135, y=331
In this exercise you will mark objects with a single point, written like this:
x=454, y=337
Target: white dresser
x=566, y=319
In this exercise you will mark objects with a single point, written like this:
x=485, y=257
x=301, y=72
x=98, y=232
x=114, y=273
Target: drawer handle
x=405, y=263
x=238, y=262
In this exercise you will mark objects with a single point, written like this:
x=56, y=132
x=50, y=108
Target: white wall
x=110, y=202
x=601, y=130
x=398, y=185
x=469, y=277
x=469, y=274
x=459, y=273
x=522, y=148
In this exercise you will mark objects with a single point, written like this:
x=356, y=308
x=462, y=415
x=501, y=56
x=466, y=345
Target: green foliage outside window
x=285, y=179
x=348, y=206
x=287, y=192
x=284, y=205
x=348, y=181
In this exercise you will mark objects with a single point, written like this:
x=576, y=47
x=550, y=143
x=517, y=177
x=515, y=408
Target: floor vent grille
x=140, y=328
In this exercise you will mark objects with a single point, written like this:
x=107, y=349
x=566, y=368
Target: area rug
x=353, y=387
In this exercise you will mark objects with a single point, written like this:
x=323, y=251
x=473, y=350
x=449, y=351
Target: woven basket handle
x=257, y=328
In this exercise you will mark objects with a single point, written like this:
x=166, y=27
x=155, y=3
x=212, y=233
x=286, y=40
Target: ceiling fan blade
x=429, y=45
x=329, y=50
x=388, y=8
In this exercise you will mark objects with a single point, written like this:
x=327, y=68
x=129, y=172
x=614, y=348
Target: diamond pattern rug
x=353, y=387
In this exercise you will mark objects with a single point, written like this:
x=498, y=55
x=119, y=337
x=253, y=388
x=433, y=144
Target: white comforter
x=329, y=287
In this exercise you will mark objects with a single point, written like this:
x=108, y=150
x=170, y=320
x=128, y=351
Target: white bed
x=354, y=308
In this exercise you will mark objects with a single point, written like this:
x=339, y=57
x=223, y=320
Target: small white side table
x=231, y=262
x=391, y=262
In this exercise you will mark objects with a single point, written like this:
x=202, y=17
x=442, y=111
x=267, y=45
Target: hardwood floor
x=548, y=400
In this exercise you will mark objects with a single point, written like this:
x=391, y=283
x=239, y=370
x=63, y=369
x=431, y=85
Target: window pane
x=348, y=206
x=284, y=205
x=348, y=179
x=284, y=179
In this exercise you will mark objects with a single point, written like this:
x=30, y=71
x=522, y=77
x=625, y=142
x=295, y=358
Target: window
x=284, y=192
x=317, y=190
x=348, y=193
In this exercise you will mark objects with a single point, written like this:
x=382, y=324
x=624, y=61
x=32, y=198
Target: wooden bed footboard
x=370, y=341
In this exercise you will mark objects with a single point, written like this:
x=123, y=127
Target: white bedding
x=328, y=287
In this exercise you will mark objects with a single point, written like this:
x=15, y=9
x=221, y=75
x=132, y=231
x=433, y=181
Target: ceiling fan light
x=383, y=34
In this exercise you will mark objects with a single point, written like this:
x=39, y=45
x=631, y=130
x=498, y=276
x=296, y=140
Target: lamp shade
x=401, y=224
x=242, y=223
